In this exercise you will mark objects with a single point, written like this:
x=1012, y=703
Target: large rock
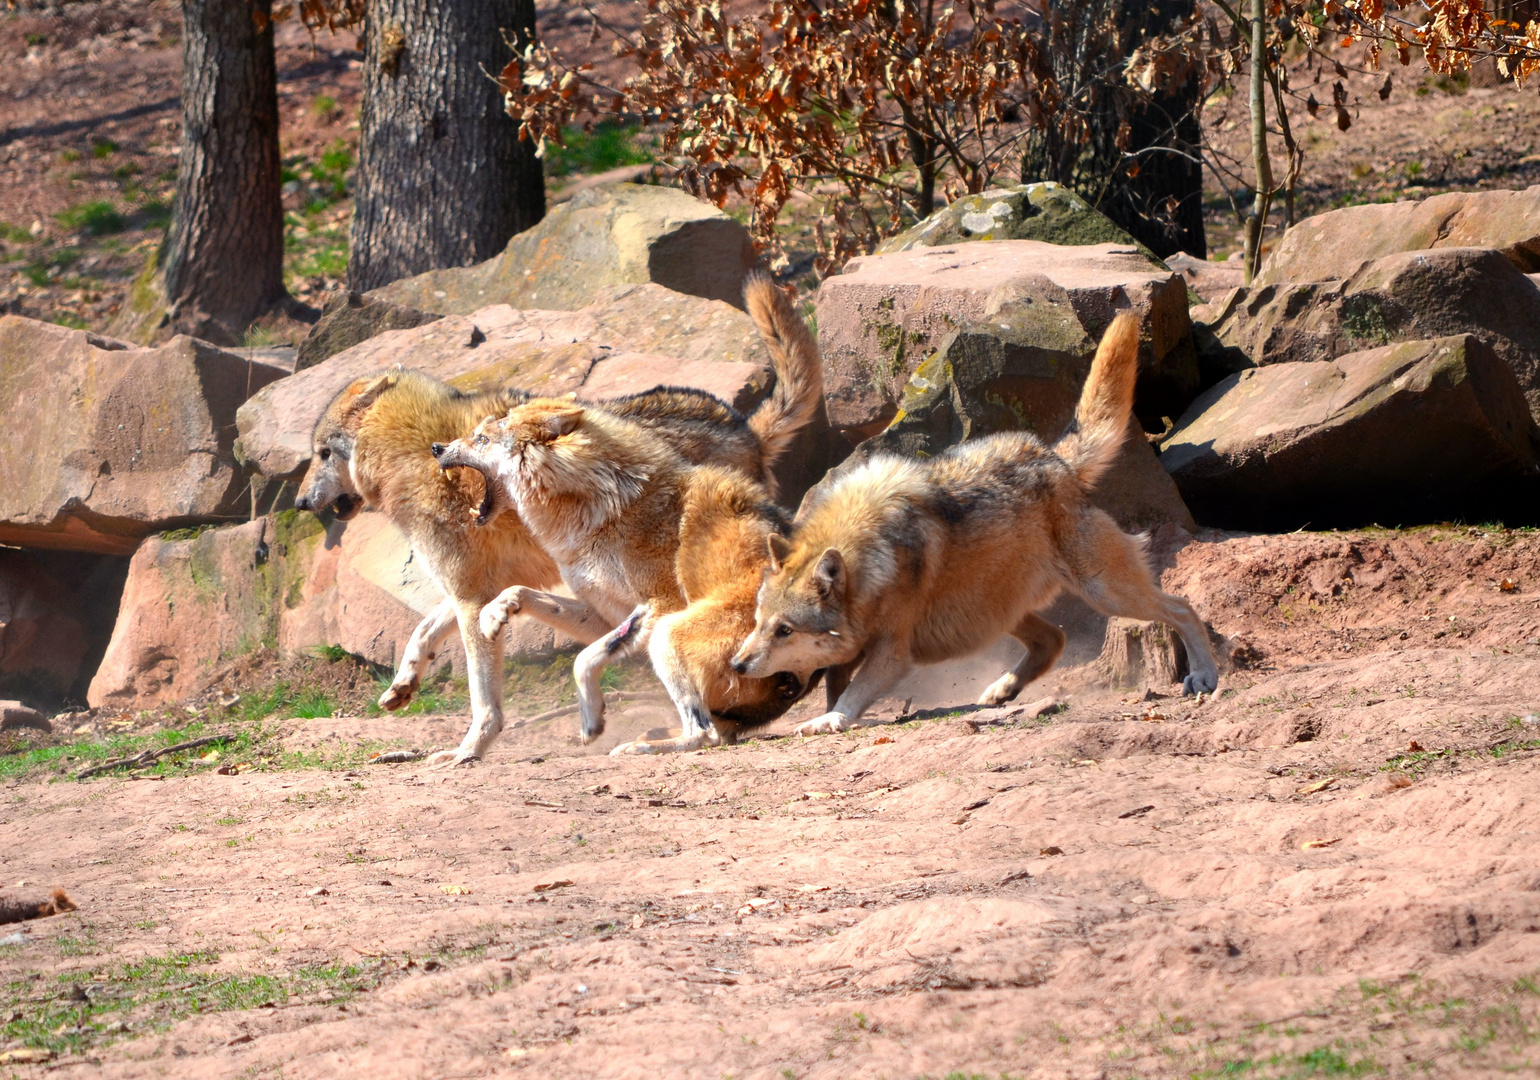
x=888, y=314
x=977, y=385
x=1331, y=246
x=106, y=443
x=633, y=338
x=352, y=319
x=1397, y=435
x=621, y=234
x=198, y=599
x=1408, y=296
x=1043, y=211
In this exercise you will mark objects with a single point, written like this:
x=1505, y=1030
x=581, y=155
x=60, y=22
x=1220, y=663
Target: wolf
x=371, y=449
x=670, y=550
x=904, y=562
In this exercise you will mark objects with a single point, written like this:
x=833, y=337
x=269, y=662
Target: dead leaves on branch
x=878, y=107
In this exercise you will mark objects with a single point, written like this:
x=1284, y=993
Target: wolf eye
x=783, y=630
x=326, y=453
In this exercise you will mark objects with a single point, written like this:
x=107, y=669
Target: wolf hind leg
x=588, y=668
x=484, y=672
x=422, y=648
x=1123, y=585
x=1044, y=642
x=562, y=613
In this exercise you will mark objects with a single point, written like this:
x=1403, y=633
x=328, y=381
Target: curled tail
x=1106, y=400
x=798, y=368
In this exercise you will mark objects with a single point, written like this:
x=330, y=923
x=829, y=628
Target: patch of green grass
x=153, y=214
x=331, y=653
x=260, y=337
x=69, y=155
x=332, y=170
x=103, y=148
x=91, y=1008
x=125, y=170
x=608, y=145
x=71, y=320
x=69, y=758
x=445, y=694
x=323, y=105
x=14, y=233
x=97, y=218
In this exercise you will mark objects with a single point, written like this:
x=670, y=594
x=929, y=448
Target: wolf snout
x=303, y=503
x=437, y=449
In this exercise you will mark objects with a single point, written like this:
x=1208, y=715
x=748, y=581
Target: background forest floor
x=90, y=125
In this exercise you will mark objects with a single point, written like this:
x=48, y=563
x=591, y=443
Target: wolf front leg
x=589, y=667
x=484, y=671
x=422, y=648
x=672, y=667
x=886, y=663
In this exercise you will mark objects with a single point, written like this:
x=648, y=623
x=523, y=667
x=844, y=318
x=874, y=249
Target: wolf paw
x=449, y=759
x=399, y=695
x=1003, y=689
x=830, y=723
x=640, y=746
x=495, y=615
x=1200, y=683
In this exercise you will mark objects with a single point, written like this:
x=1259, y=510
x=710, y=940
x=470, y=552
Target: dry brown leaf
x=1508, y=585
x=880, y=739
x=1316, y=845
x=1319, y=785
x=547, y=886
x=1052, y=849
x=27, y=1055
x=457, y=890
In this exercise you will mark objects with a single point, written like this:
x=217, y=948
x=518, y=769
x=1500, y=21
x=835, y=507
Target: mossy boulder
x=886, y=315
x=1044, y=211
x=615, y=234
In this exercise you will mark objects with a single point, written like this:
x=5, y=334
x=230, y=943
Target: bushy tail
x=1107, y=399
x=798, y=367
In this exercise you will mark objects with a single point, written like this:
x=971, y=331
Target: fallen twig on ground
x=149, y=757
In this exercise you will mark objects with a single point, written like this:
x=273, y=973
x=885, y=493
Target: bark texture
x=223, y=259
x=443, y=178
x=1140, y=163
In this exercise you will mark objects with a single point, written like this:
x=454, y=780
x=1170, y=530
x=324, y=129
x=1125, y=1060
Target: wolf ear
x=829, y=576
x=558, y=422
x=366, y=394
x=779, y=547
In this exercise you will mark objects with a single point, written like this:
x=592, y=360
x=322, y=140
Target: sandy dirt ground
x=1327, y=869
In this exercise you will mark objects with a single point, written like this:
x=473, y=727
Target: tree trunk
x=223, y=258
x=1256, y=221
x=1157, y=193
x=443, y=178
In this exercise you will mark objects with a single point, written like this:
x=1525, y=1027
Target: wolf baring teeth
x=903, y=562
x=667, y=551
x=372, y=450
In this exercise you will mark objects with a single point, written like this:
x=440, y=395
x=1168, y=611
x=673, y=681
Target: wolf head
x=510, y=451
x=801, y=618
x=329, y=483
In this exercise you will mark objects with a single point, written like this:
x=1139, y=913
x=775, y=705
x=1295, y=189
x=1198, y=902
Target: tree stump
x=1142, y=655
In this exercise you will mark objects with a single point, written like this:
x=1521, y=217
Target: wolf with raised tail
x=372, y=449
x=669, y=551
x=904, y=562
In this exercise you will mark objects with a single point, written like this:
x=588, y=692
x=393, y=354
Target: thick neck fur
x=393, y=466
x=849, y=518
x=571, y=488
